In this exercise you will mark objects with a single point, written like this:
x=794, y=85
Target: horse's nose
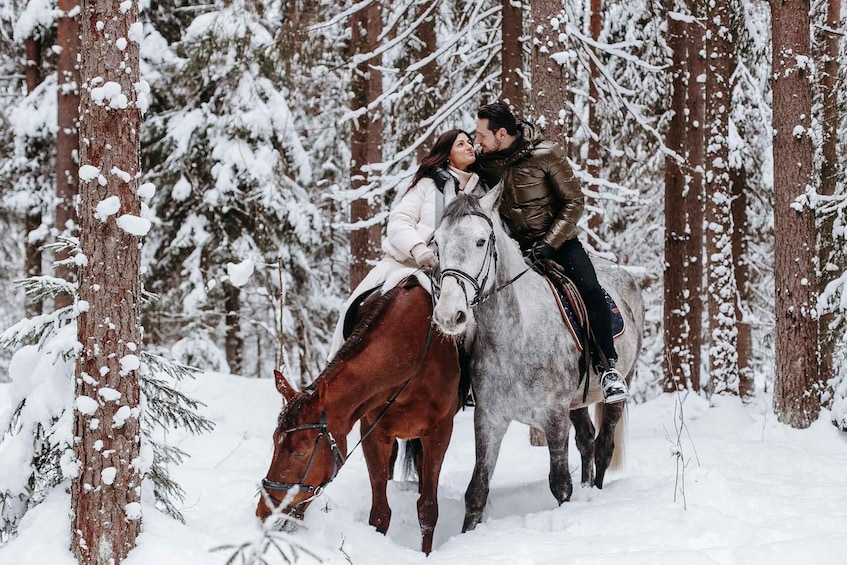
x=460, y=317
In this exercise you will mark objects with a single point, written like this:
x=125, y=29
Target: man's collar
x=509, y=151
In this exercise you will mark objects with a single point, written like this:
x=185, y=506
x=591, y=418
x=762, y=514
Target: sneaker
x=614, y=386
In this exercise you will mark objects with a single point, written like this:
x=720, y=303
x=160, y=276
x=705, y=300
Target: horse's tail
x=411, y=456
x=619, y=454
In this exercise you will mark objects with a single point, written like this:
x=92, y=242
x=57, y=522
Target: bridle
x=489, y=263
x=337, y=461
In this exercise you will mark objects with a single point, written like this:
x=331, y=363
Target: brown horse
x=400, y=379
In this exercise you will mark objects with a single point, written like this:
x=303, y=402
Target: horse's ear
x=490, y=198
x=283, y=386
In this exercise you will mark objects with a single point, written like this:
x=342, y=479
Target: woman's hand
x=424, y=257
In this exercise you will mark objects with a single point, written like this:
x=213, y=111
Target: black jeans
x=578, y=267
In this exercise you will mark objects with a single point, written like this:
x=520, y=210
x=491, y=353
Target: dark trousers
x=578, y=267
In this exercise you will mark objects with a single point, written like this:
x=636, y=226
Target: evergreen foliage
x=36, y=428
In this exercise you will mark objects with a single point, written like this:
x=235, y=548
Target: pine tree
x=366, y=137
x=237, y=186
x=677, y=291
x=797, y=387
x=722, y=292
x=67, y=134
x=105, y=491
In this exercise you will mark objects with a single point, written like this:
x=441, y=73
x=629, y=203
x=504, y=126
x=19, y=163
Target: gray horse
x=524, y=364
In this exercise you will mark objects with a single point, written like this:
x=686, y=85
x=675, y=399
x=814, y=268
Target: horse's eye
x=480, y=242
x=299, y=454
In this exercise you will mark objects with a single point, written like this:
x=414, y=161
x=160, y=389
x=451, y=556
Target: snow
x=146, y=191
x=109, y=394
x=121, y=416
x=108, y=475
x=110, y=93
x=129, y=363
x=88, y=173
x=239, y=274
x=86, y=405
x=107, y=207
x=134, y=225
x=755, y=491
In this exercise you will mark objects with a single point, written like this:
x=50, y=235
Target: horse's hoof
x=471, y=522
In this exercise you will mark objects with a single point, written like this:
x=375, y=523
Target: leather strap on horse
x=576, y=302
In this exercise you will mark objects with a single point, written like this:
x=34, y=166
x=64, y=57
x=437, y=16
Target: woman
x=415, y=215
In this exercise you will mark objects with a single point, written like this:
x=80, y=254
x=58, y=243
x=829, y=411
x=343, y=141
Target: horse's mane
x=352, y=345
x=295, y=405
x=462, y=205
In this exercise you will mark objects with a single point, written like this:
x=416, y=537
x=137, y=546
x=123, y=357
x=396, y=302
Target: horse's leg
x=605, y=443
x=377, y=451
x=434, y=449
x=489, y=432
x=558, y=428
x=392, y=459
x=584, y=443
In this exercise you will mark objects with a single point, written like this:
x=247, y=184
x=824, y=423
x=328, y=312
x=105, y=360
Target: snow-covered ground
x=755, y=491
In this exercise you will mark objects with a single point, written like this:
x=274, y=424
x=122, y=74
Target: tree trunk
x=106, y=493
x=511, y=55
x=694, y=199
x=722, y=293
x=738, y=181
x=67, y=137
x=366, y=142
x=830, y=170
x=549, y=97
x=797, y=384
x=592, y=164
x=676, y=290
x=32, y=248
x=234, y=342
x=427, y=45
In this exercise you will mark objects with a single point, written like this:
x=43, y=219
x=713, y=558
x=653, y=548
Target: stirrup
x=613, y=386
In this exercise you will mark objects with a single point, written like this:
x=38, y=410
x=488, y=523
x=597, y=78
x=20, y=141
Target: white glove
x=424, y=257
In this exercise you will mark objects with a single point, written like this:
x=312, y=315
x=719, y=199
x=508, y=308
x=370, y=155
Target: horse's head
x=467, y=256
x=306, y=455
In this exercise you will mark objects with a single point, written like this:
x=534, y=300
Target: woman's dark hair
x=438, y=155
x=499, y=115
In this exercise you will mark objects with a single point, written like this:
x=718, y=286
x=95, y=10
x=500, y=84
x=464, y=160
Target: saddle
x=361, y=306
x=574, y=314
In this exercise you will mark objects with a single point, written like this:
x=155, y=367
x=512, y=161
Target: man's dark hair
x=499, y=115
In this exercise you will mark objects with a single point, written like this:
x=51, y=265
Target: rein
x=489, y=263
x=338, y=458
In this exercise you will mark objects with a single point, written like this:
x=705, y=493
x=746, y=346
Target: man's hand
x=539, y=251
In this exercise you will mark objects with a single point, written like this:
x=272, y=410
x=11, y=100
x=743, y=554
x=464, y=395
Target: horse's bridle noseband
x=270, y=486
x=489, y=263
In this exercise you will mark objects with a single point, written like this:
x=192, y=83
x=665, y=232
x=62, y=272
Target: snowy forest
x=224, y=171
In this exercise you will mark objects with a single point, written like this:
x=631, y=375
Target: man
x=541, y=204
